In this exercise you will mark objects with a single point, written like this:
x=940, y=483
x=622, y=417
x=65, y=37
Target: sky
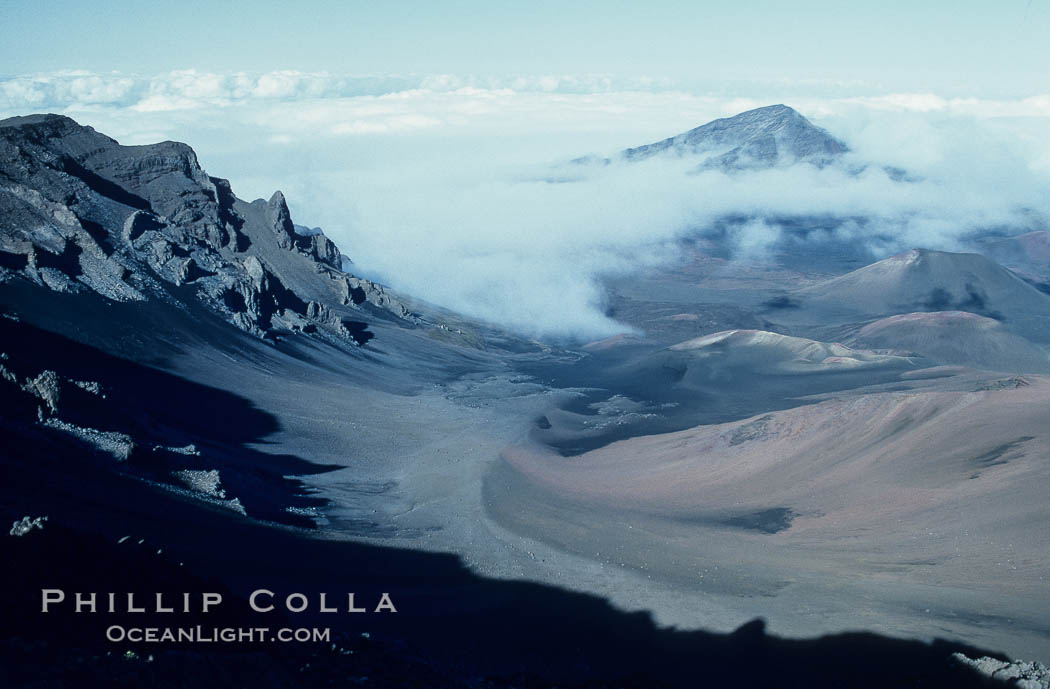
x=993, y=47
x=418, y=135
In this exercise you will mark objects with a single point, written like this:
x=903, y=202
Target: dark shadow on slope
x=772, y=520
x=13, y=261
x=452, y=628
x=67, y=262
x=1043, y=287
x=98, y=233
x=358, y=331
x=100, y=185
x=782, y=301
x=976, y=301
x=1001, y=454
x=161, y=415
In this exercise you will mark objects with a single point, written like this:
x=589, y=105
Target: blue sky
x=965, y=47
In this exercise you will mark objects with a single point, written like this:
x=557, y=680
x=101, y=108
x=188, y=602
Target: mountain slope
x=764, y=137
x=1028, y=253
x=773, y=353
x=923, y=280
x=79, y=212
x=956, y=337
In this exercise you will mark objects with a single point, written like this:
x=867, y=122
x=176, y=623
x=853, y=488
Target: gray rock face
x=281, y=219
x=313, y=243
x=764, y=137
x=80, y=212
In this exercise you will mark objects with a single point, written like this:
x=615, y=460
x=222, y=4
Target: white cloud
x=436, y=184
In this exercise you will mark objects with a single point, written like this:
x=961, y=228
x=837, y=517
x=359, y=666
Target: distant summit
x=765, y=137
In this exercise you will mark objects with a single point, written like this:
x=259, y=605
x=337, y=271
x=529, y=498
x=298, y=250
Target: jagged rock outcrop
x=26, y=524
x=281, y=219
x=358, y=291
x=1019, y=673
x=80, y=212
x=315, y=244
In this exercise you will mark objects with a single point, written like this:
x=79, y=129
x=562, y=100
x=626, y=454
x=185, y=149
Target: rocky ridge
x=80, y=212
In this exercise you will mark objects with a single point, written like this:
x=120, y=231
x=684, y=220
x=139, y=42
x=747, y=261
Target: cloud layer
x=182, y=89
x=455, y=189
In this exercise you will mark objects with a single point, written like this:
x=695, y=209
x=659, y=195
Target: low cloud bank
x=454, y=190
